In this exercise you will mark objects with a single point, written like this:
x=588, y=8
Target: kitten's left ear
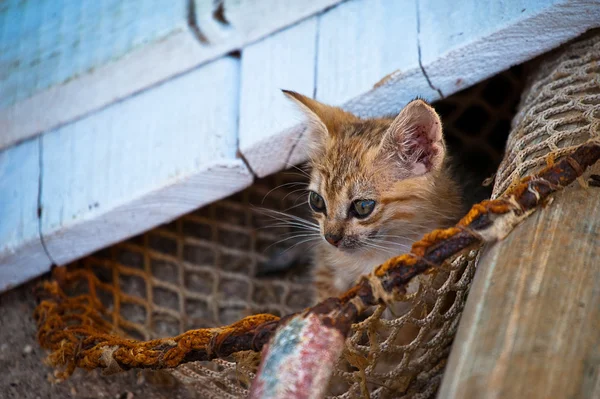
x=325, y=119
x=415, y=136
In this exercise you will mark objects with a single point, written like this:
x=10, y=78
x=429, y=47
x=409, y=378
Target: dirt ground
x=25, y=376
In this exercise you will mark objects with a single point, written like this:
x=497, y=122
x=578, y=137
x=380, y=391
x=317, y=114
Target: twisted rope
x=75, y=330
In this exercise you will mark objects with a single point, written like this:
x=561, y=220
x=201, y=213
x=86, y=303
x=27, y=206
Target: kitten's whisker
x=313, y=236
x=294, y=191
x=369, y=243
x=271, y=212
x=305, y=173
x=378, y=248
x=294, y=222
x=282, y=185
x=395, y=243
x=304, y=200
x=295, y=230
x=301, y=242
x=290, y=219
x=295, y=206
x=291, y=224
x=396, y=236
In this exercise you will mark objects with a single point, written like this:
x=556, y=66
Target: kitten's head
x=377, y=182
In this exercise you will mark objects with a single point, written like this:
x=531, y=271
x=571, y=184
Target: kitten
x=376, y=186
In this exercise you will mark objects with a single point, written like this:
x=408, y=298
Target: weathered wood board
x=142, y=162
x=375, y=56
x=240, y=22
x=362, y=46
x=60, y=61
x=269, y=123
x=357, y=44
x=465, y=42
x=22, y=254
x=531, y=325
x=79, y=69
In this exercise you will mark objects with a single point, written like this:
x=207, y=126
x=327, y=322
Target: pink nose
x=333, y=239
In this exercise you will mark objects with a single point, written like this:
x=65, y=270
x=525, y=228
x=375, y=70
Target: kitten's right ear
x=415, y=139
x=323, y=119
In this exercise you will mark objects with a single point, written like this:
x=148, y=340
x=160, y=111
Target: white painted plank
x=61, y=60
x=142, y=162
x=22, y=255
x=465, y=42
x=269, y=122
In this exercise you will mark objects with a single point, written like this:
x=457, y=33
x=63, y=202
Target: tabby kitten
x=376, y=186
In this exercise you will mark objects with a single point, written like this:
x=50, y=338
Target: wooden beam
x=375, y=56
x=142, y=162
x=22, y=254
x=363, y=45
x=465, y=42
x=245, y=21
x=531, y=325
x=269, y=122
x=360, y=47
x=61, y=61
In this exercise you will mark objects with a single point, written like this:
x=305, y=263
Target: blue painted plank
x=362, y=42
x=61, y=60
x=44, y=43
x=465, y=42
x=142, y=162
x=22, y=255
x=244, y=21
x=269, y=122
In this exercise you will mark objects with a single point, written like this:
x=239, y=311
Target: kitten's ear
x=324, y=119
x=415, y=137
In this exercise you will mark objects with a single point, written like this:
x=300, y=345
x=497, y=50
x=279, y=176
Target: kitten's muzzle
x=333, y=239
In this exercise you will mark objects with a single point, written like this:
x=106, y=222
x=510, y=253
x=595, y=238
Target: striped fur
x=398, y=162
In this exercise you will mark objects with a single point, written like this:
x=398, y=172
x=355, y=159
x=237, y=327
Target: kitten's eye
x=316, y=202
x=363, y=208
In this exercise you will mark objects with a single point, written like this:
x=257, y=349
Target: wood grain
x=367, y=60
x=270, y=122
x=531, y=325
x=241, y=22
x=465, y=42
x=22, y=255
x=142, y=162
x=60, y=60
x=360, y=44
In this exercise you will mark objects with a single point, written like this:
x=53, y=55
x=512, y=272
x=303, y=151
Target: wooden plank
x=269, y=122
x=360, y=43
x=22, y=255
x=63, y=60
x=245, y=21
x=531, y=322
x=142, y=162
x=465, y=42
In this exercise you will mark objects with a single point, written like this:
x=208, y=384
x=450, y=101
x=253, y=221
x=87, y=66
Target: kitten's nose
x=333, y=239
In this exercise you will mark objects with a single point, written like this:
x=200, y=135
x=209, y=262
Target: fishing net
x=223, y=262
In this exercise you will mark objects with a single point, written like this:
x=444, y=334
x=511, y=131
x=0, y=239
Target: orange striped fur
x=400, y=163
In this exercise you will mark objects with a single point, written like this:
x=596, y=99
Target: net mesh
x=205, y=269
x=560, y=110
